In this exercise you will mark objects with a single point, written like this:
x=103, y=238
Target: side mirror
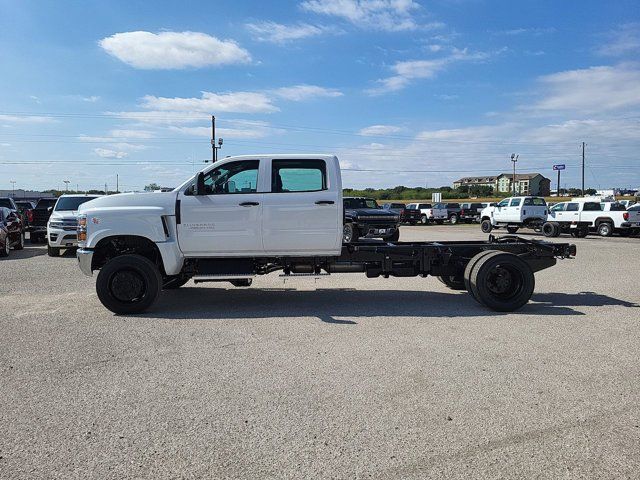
x=200, y=190
x=49, y=209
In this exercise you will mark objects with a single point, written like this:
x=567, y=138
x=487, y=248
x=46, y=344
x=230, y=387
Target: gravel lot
x=342, y=377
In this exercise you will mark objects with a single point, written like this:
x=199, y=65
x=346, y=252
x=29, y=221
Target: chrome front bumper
x=84, y=260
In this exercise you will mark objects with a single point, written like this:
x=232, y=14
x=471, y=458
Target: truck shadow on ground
x=27, y=252
x=329, y=305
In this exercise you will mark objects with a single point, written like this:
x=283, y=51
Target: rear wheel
x=349, y=233
x=424, y=220
x=551, y=229
x=469, y=268
x=502, y=281
x=4, y=251
x=486, y=226
x=580, y=233
x=605, y=229
x=512, y=230
x=53, y=251
x=453, y=219
x=454, y=282
x=129, y=284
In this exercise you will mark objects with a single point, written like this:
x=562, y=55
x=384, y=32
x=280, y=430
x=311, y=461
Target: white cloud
x=5, y=144
x=231, y=129
x=388, y=15
x=91, y=99
x=278, y=33
x=239, y=102
x=594, y=89
x=123, y=133
x=622, y=41
x=157, y=117
x=107, y=153
x=299, y=93
x=26, y=119
x=375, y=130
x=535, y=31
x=409, y=70
x=173, y=50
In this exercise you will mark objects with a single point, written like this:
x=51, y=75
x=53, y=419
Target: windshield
x=359, y=203
x=46, y=203
x=5, y=202
x=71, y=203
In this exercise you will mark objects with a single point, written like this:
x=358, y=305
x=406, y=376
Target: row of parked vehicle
x=50, y=220
x=578, y=217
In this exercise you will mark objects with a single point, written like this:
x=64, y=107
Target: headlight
x=82, y=228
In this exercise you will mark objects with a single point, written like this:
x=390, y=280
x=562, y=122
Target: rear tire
x=4, y=251
x=605, y=229
x=486, y=226
x=502, y=281
x=424, y=220
x=580, y=233
x=454, y=282
x=53, y=251
x=129, y=284
x=453, y=219
x=468, y=269
x=512, y=230
x=551, y=229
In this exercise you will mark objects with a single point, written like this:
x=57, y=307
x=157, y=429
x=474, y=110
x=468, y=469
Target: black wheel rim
x=347, y=234
x=127, y=286
x=504, y=282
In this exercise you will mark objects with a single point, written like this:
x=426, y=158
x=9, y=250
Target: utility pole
x=117, y=183
x=66, y=185
x=558, y=193
x=13, y=188
x=583, y=145
x=214, y=147
x=514, y=159
x=105, y=189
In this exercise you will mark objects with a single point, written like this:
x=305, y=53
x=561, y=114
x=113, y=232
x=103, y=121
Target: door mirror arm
x=200, y=189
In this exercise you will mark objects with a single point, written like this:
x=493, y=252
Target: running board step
x=221, y=277
x=304, y=275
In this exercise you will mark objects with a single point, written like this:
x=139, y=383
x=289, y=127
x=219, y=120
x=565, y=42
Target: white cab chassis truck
x=514, y=213
x=254, y=215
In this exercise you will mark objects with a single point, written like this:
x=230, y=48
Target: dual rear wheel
x=499, y=280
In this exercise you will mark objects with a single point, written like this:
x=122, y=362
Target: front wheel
x=424, y=220
x=349, y=233
x=512, y=230
x=4, y=251
x=551, y=229
x=53, y=251
x=486, y=226
x=453, y=219
x=20, y=244
x=129, y=284
x=580, y=233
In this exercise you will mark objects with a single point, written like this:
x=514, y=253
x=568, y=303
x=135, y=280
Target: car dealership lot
x=337, y=377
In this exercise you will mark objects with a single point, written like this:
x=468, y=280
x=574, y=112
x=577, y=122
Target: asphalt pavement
x=339, y=377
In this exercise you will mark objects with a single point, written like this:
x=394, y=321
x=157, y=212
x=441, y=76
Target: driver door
x=500, y=213
x=227, y=219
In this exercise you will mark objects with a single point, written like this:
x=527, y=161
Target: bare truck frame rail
x=498, y=273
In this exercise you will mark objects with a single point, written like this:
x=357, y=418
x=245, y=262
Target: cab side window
x=504, y=203
x=298, y=176
x=231, y=178
x=572, y=207
x=515, y=202
x=558, y=208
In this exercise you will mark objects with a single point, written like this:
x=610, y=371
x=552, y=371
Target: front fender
x=136, y=221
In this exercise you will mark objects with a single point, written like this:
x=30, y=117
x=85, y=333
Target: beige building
x=526, y=183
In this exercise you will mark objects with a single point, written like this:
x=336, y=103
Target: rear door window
x=298, y=176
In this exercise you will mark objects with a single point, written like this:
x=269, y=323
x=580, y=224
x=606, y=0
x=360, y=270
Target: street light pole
x=66, y=185
x=13, y=188
x=514, y=159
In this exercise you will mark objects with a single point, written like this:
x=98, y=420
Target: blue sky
x=406, y=92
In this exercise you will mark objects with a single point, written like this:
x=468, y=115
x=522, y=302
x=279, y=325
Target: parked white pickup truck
x=254, y=215
x=603, y=217
x=429, y=212
x=62, y=224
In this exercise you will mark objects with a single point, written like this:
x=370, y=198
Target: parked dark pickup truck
x=363, y=218
x=470, y=212
x=41, y=214
x=407, y=215
x=453, y=211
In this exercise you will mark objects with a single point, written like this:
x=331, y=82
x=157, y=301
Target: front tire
x=129, y=284
x=551, y=229
x=4, y=251
x=394, y=237
x=512, y=230
x=453, y=219
x=486, y=226
x=349, y=233
x=53, y=251
x=424, y=220
x=20, y=244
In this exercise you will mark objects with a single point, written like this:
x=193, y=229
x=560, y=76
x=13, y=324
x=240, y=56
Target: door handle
x=249, y=204
x=325, y=202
